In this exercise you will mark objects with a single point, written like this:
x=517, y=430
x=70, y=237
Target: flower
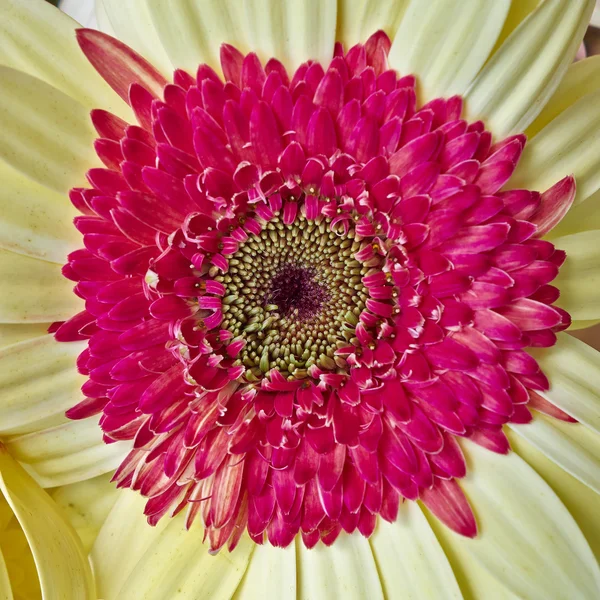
x=303, y=284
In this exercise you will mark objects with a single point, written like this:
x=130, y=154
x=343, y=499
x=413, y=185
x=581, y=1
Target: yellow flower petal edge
x=61, y=561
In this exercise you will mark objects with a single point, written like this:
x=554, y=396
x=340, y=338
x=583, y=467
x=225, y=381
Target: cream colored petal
x=38, y=383
x=579, y=278
x=409, y=558
x=574, y=372
x=527, y=538
x=346, y=569
x=86, y=505
x=581, y=78
x=39, y=39
x=519, y=10
x=61, y=562
x=570, y=144
x=271, y=574
x=583, y=217
x=34, y=291
x=580, y=500
x=35, y=221
x=71, y=452
x=191, y=32
x=12, y=334
x=130, y=22
x=519, y=79
x=134, y=560
x=359, y=19
x=46, y=135
x=446, y=58
x=572, y=446
x=292, y=31
x=5, y=587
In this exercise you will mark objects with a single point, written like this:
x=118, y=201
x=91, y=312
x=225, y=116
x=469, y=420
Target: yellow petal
x=61, y=562
x=359, y=19
x=581, y=78
x=527, y=538
x=572, y=446
x=40, y=40
x=11, y=334
x=570, y=144
x=580, y=500
x=579, y=277
x=574, y=372
x=35, y=221
x=292, y=31
x=86, y=504
x=46, y=135
x=130, y=22
x=134, y=560
x=519, y=79
x=346, y=569
x=5, y=587
x=583, y=217
x=446, y=59
x=38, y=383
x=71, y=452
x=34, y=291
x=271, y=574
x=409, y=558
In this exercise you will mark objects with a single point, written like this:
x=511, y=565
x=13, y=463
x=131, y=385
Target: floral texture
x=300, y=288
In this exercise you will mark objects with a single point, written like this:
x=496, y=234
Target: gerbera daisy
x=324, y=254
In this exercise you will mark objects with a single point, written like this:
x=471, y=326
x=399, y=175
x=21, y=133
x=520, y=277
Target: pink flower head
x=301, y=288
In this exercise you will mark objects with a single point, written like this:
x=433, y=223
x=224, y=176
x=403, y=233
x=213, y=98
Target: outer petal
x=292, y=31
x=38, y=382
x=37, y=38
x=61, y=561
x=570, y=445
x=346, y=570
x=130, y=22
x=134, y=560
x=410, y=558
x=518, y=12
x=570, y=144
x=446, y=59
x=516, y=83
x=528, y=539
x=574, y=371
x=358, y=19
x=271, y=574
x=5, y=588
x=35, y=221
x=46, y=135
x=34, y=291
x=11, y=334
x=68, y=453
x=579, y=278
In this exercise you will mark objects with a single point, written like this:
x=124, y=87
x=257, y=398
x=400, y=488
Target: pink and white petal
x=130, y=22
x=132, y=559
x=533, y=60
x=46, y=135
x=39, y=39
x=38, y=383
x=410, y=558
x=192, y=32
x=571, y=446
x=71, y=452
x=292, y=31
x=573, y=368
x=271, y=574
x=446, y=59
x=61, y=562
x=519, y=514
x=579, y=278
x=359, y=19
x=34, y=291
x=569, y=145
x=346, y=569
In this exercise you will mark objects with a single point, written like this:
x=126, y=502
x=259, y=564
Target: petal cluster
x=455, y=284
